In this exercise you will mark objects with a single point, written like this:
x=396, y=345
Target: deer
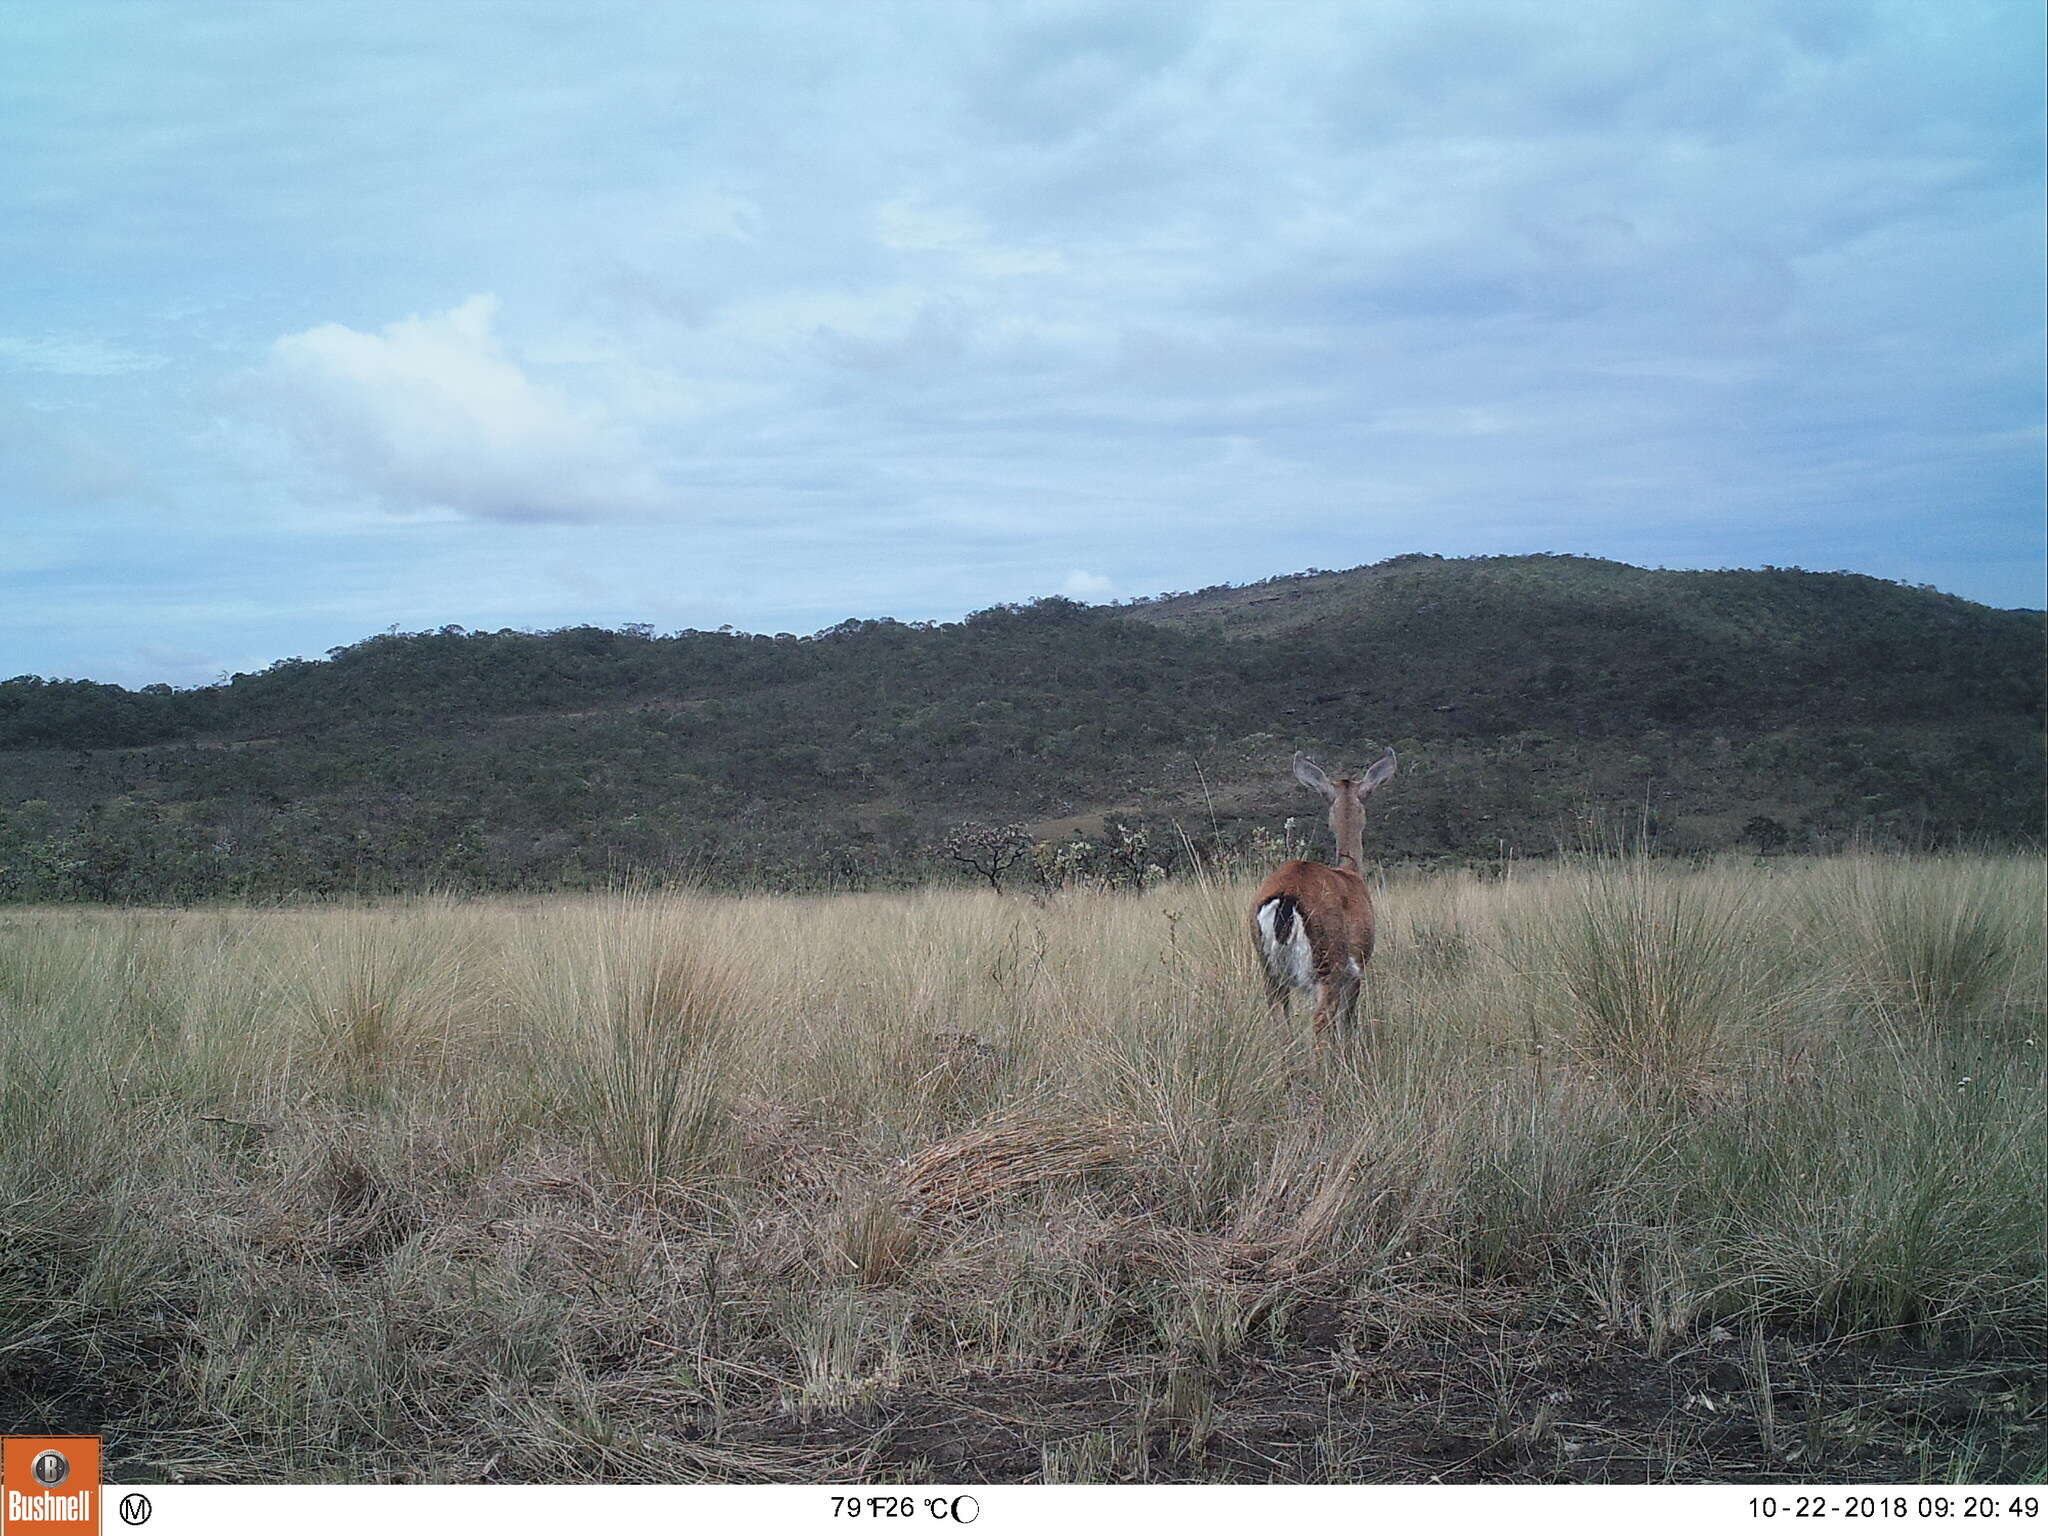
x=1312, y=923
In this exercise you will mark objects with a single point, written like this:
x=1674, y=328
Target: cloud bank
x=432, y=411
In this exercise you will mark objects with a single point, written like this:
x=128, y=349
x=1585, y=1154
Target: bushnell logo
x=52, y=1486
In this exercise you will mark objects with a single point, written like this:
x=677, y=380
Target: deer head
x=1347, y=797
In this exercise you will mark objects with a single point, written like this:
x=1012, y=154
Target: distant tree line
x=1529, y=697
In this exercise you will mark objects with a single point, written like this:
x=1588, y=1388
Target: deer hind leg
x=1337, y=1003
x=1328, y=1005
x=1352, y=989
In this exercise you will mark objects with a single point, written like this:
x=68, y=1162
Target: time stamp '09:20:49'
x=1895, y=1506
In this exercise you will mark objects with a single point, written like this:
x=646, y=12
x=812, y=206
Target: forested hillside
x=1531, y=698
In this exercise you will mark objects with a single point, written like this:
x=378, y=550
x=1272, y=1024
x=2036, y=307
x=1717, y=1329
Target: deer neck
x=1347, y=826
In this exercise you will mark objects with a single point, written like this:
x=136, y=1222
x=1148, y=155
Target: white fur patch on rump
x=1289, y=962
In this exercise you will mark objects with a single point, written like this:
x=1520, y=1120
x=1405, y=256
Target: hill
x=1528, y=696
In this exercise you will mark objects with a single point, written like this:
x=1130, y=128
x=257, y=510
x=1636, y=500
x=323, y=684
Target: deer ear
x=1313, y=777
x=1377, y=774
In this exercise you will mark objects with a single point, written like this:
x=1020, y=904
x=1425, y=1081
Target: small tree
x=989, y=851
x=1059, y=865
x=1767, y=832
x=1045, y=867
x=1130, y=857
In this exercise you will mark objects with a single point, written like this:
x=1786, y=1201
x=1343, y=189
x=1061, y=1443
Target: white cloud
x=1086, y=586
x=432, y=412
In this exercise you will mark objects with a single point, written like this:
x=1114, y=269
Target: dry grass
x=977, y=1168
x=678, y=1187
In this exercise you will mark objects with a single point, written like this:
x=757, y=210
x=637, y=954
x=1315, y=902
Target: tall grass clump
x=384, y=996
x=90, y=1099
x=631, y=1013
x=1663, y=981
x=1888, y=1200
x=1934, y=943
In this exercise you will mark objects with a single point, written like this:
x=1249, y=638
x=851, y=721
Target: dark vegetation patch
x=1772, y=709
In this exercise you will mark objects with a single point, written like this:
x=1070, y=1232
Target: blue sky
x=318, y=319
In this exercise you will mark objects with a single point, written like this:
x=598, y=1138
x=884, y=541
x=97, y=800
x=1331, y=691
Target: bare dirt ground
x=1332, y=1400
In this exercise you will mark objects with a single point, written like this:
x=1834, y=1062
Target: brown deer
x=1312, y=923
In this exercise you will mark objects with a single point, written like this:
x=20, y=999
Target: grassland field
x=1633, y=1171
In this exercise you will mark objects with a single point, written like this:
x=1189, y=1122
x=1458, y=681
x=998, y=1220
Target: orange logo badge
x=50, y=1486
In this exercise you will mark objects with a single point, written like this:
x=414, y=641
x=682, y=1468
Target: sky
x=317, y=320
